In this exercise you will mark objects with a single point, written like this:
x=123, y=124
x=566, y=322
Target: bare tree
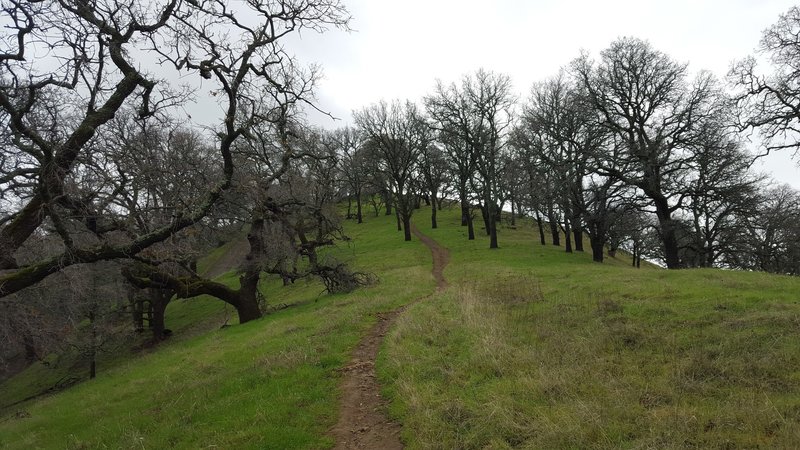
x=52, y=117
x=771, y=240
x=477, y=116
x=770, y=103
x=399, y=134
x=721, y=189
x=644, y=101
x=433, y=168
x=355, y=170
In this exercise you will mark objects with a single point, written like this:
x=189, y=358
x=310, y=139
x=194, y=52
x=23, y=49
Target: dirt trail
x=440, y=257
x=363, y=423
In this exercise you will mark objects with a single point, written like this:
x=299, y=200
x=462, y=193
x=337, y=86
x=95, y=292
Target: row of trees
x=627, y=150
x=98, y=167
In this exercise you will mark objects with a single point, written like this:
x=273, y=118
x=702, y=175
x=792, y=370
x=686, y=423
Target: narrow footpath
x=363, y=423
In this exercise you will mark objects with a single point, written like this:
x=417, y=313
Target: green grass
x=270, y=383
x=529, y=347
x=533, y=348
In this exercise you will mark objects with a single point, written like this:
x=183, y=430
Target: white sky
x=399, y=48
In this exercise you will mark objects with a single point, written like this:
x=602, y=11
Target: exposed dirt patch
x=362, y=414
x=363, y=423
x=440, y=257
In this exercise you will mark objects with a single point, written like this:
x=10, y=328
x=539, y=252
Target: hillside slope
x=271, y=383
x=534, y=348
x=527, y=347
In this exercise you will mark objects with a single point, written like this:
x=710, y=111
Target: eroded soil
x=363, y=423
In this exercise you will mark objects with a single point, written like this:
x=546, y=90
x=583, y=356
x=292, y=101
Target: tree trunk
x=358, y=208
x=465, y=213
x=349, y=207
x=247, y=304
x=407, y=226
x=541, y=229
x=470, y=227
x=577, y=233
x=567, y=237
x=513, y=214
x=491, y=223
x=554, y=232
x=433, y=209
x=667, y=229
x=597, y=248
x=137, y=311
x=246, y=301
x=397, y=216
x=159, y=299
x=486, y=218
x=388, y=201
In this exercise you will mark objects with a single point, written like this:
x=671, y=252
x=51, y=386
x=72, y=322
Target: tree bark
x=485, y=217
x=541, y=229
x=359, y=216
x=491, y=223
x=667, y=229
x=159, y=299
x=554, y=232
x=397, y=216
x=597, y=248
x=247, y=306
x=388, y=201
x=577, y=234
x=465, y=213
x=433, y=209
x=470, y=227
x=407, y=226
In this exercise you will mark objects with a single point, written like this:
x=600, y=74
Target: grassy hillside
x=528, y=348
x=534, y=348
x=271, y=383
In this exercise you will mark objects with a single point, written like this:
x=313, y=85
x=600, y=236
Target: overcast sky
x=397, y=49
